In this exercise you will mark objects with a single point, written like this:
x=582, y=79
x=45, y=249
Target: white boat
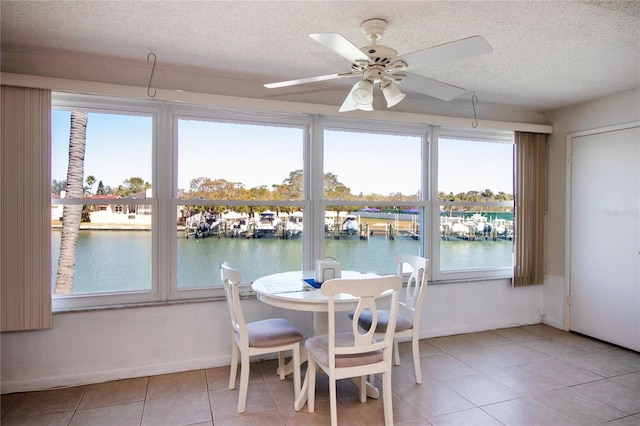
x=329, y=222
x=237, y=223
x=267, y=225
x=350, y=225
x=294, y=225
x=238, y=228
x=503, y=229
x=203, y=225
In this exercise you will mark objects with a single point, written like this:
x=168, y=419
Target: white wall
x=616, y=109
x=95, y=346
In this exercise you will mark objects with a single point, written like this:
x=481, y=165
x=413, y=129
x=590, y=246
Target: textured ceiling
x=546, y=54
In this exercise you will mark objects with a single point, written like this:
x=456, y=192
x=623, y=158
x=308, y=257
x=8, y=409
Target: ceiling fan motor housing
x=379, y=54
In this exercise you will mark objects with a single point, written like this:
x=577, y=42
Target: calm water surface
x=121, y=260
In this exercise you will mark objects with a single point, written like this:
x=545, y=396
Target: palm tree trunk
x=71, y=214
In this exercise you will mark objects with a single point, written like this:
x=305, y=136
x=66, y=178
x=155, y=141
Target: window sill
x=247, y=293
x=141, y=305
x=468, y=280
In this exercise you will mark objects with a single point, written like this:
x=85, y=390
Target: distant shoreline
x=111, y=227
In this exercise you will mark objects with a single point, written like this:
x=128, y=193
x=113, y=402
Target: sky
x=113, y=152
x=120, y=147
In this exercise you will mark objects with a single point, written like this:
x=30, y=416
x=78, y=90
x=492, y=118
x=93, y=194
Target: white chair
x=411, y=301
x=257, y=338
x=355, y=353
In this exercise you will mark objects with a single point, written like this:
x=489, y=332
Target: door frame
x=567, y=267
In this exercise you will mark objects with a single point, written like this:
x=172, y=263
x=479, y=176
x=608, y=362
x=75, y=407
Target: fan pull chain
x=150, y=78
x=474, y=123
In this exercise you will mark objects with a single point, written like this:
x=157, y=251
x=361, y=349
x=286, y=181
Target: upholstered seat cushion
x=272, y=332
x=364, y=322
x=318, y=347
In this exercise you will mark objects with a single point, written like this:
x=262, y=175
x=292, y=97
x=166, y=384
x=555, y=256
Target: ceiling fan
x=381, y=64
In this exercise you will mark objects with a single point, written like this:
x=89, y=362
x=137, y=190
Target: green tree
x=259, y=193
x=473, y=196
x=71, y=214
x=215, y=189
x=133, y=185
x=334, y=189
x=504, y=197
x=90, y=181
x=291, y=188
x=58, y=186
x=100, y=189
x=487, y=194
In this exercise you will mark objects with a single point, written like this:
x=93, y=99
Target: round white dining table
x=290, y=291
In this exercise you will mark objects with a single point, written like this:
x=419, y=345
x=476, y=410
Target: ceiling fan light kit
x=364, y=92
x=381, y=64
x=391, y=93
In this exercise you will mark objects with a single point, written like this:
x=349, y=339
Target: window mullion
x=164, y=232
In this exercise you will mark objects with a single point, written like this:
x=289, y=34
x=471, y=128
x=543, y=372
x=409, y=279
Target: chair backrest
x=413, y=295
x=367, y=290
x=231, y=281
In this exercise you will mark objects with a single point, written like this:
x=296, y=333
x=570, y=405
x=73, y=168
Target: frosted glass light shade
x=392, y=94
x=364, y=92
x=365, y=107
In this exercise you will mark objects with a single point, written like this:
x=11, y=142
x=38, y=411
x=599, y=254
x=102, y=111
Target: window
x=373, y=197
x=102, y=205
x=237, y=183
x=168, y=192
x=475, y=205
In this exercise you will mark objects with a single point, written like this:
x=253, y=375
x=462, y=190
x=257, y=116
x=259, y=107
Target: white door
x=604, y=226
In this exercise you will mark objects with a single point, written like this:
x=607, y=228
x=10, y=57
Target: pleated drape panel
x=530, y=208
x=25, y=209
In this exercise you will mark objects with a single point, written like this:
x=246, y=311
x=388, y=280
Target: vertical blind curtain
x=25, y=209
x=530, y=189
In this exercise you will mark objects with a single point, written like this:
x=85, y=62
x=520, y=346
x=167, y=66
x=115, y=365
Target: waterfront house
x=122, y=212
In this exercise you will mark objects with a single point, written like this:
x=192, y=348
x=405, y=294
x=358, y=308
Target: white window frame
x=75, y=102
x=421, y=131
x=224, y=115
x=164, y=203
x=471, y=274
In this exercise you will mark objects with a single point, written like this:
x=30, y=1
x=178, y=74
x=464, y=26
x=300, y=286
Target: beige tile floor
x=533, y=375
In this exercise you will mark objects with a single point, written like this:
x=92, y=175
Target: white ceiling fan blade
x=467, y=47
x=430, y=87
x=301, y=81
x=341, y=46
x=311, y=79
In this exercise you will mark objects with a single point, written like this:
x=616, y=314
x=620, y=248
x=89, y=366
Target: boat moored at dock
x=266, y=225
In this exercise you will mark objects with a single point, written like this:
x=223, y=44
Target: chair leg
x=396, y=352
x=295, y=358
x=415, y=348
x=303, y=394
x=311, y=386
x=281, y=365
x=387, y=398
x=363, y=387
x=233, y=369
x=244, y=382
x=333, y=400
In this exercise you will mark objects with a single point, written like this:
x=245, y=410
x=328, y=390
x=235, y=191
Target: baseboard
x=553, y=323
x=473, y=328
x=53, y=382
